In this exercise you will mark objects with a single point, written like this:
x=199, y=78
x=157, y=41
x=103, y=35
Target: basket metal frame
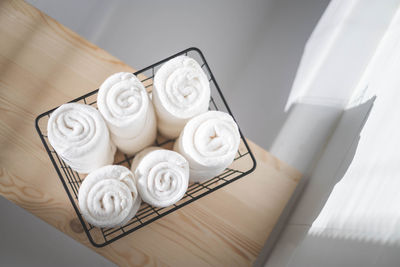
x=147, y=214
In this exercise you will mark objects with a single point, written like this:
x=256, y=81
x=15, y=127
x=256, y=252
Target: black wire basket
x=243, y=164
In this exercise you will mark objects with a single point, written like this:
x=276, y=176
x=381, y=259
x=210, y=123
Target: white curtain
x=339, y=50
x=333, y=64
x=352, y=56
x=365, y=204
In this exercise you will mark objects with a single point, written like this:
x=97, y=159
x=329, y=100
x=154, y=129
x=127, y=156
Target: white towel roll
x=125, y=105
x=209, y=142
x=80, y=137
x=181, y=91
x=108, y=196
x=162, y=176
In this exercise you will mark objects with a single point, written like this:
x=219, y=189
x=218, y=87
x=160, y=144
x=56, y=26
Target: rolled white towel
x=80, y=137
x=108, y=196
x=181, y=91
x=209, y=142
x=125, y=105
x=162, y=175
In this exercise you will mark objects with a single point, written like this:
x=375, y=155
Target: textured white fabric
x=209, y=142
x=163, y=176
x=181, y=91
x=80, y=137
x=108, y=196
x=125, y=105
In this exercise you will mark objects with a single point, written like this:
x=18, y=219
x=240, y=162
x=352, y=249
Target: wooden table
x=42, y=65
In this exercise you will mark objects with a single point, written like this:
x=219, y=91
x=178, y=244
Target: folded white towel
x=181, y=91
x=108, y=196
x=125, y=105
x=209, y=142
x=80, y=137
x=162, y=175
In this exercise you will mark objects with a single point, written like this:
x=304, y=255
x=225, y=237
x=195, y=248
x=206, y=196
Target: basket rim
x=60, y=176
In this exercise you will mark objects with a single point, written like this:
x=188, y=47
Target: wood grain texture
x=42, y=65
